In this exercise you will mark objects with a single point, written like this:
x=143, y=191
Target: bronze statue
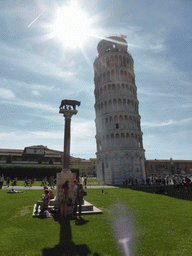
x=68, y=103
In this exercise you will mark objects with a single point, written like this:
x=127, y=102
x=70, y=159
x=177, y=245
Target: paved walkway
x=41, y=188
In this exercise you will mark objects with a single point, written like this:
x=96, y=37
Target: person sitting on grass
x=64, y=198
x=44, y=202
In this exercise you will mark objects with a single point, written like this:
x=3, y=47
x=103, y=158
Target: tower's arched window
x=122, y=77
x=112, y=74
x=116, y=61
x=119, y=102
x=117, y=74
x=124, y=62
x=104, y=78
x=107, y=62
x=115, y=119
x=125, y=73
x=111, y=61
x=120, y=61
x=114, y=103
x=105, y=104
x=112, y=138
x=108, y=76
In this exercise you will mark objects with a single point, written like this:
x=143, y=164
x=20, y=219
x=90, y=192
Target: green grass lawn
x=160, y=225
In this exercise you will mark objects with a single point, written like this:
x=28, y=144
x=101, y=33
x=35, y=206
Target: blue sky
x=39, y=68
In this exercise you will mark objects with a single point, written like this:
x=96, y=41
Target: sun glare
x=71, y=26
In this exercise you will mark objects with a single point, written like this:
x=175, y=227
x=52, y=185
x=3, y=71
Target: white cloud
x=168, y=123
x=83, y=129
x=33, y=62
x=48, y=135
x=33, y=105
x=6, y=94
x=35, y=93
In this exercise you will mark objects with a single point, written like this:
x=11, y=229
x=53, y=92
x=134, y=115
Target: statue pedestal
x=64, y=175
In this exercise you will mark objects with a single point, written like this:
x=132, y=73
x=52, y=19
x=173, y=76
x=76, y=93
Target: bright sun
x=71, y=26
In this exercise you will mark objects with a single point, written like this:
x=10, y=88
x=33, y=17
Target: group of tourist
x=63, y=198
x=51, y=181
x=168, y=180
x=8, y=180
x=29, y=182
x=48, y=194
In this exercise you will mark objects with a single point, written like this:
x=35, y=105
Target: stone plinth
x=66, y=174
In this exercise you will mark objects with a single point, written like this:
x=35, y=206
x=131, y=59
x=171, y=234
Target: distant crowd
x=167, y=180
x=28, y=182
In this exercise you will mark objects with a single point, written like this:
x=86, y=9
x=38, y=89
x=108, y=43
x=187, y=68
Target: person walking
x=85, y=182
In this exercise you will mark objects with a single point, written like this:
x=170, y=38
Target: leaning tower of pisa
x=120, y=153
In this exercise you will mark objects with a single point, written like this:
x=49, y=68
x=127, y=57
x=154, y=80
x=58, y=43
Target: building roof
x=4, y=151
x=168, y=161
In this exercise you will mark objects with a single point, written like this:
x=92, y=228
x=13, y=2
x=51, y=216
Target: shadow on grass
x=167, y=190
x=66, y=246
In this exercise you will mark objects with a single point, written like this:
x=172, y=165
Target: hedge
x=31, y=171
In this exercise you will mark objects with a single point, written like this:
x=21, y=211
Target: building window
x=117, y=126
